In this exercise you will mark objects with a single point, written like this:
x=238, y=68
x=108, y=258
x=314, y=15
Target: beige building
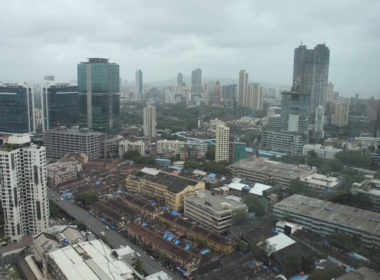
x=320, y=182
x=242, y=88
x=222, y=143
x=150, y=121
x=164, y=187
x=339, y=116
x=212, y=211
x=255, y=99
x=61, y=172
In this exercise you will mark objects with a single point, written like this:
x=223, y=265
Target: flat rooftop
x=334, y=213
x=174, y=183
x=216, y=202
x=274, y=168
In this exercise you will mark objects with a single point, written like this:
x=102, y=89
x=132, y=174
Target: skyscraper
x=310, y=73
x=139, y=86
x=242, y=88
x=23, y=187
x=318, y=123
x=340, y=112
x=217, y=94
x=99, y=99
x=222, y=149
x=59, y=105
x=229, y=95
x=330, y=92
x=196, y=81
x=179, y=80
x=254, y=98
x=17, y=109
x=295, y=111
x=150, y=121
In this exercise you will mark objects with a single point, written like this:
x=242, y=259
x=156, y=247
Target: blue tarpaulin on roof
x=205, y=251
x=187, y=247
x=299, y=277
x=176, y=242
x=170, y=238
x=175, y=213
x=212, y=175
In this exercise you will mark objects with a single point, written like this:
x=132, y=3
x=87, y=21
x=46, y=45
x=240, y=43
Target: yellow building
x=164, y=187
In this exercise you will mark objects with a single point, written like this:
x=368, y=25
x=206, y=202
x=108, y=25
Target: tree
x=359, y=159
x=241, y=217
x=210, y=152
x=328, y=273
x=86, y=198
x=254, y=204
x=81, y=226
x=139, y=266
x=377, y=175
x=292, y=263
x=217, y=167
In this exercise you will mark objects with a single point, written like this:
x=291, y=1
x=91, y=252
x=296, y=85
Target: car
x=61, y=198
x=138, y=254
x=57, y=199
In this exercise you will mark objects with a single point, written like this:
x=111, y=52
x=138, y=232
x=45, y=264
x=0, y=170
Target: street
x=114, y=239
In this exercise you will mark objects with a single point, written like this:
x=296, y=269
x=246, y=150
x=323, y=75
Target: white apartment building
x=339, y=116
x=150, y=121
x=326, y=152
x=222, y=143
x=255, y=99
x=320, y=182
x=23, y=187
x=171, y=147
x=367, y=142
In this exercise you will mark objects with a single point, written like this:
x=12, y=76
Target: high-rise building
x=295, y=111
x=340, y=112
x=254, y=98
x=139, y=86
x=229, y=95
x=196, y=81
x=23, y=187
x=330, y=92
x=99, y=98
x=217, y=94
x=59, y=105
x=17, y=109
x=237, y=151
x=179, y=80
x=242, y=88
x=150, y=121
x=318, y=123
x=222, y=143
x=310, y=73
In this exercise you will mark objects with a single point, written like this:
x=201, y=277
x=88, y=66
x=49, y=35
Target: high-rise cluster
x=250, y=95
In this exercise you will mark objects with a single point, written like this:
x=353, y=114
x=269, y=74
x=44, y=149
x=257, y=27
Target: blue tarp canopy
x=187, y=247
x=205, y=251
x=212, y=175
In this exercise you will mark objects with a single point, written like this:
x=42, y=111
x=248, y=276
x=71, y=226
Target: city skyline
x=219, y=44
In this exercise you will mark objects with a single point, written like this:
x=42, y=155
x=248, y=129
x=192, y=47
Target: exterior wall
x=287, y=142
x=150, y=121
x=222, y=143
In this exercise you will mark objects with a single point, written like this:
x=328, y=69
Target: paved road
x=113, y=238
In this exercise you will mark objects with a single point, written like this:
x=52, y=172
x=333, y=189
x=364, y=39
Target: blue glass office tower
x=59, y=105
x=16, y=109
x=99, y=99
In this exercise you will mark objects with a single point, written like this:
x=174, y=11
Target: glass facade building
x=99, y=99
x=60, y=106
x=16, y=109
x=295, y=111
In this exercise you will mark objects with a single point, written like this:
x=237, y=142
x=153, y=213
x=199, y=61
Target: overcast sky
x=165, y=37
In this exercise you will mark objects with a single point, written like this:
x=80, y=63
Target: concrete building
x=284, y=141
x=229, y=93
x=370, y=189
x=164, y=187
x=330, y=92
x=237, y=151
x=310, y=73
x=59, y=105
x=367, y=142
x=61, y=141
x=150, y=121
x=217, y=94
x=263, y=170
x=99, y=95
x=222, y=143
x=318, y=122
x=196, y=81
x=212, y=211
x=139, y=86
x=254, y=99
x=339, y=116
x=320, y=182
x=169, y=148
x=23, y=187
x=295, y=111
x=17, y=109
x=242, y=88
x=61, y=172
x=325, y=218
x=325, y=152
x=196, y=148
x=127, y=145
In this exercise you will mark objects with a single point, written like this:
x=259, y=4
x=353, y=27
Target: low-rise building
x=366, y=142
x=61, y=172
x=290, y=142
x=325, y=218
x=166, y=188
x=320, y=182
x=369, y=189
x=212, y=211
x=326, y=152
x=265, y=171
x=196, y=148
